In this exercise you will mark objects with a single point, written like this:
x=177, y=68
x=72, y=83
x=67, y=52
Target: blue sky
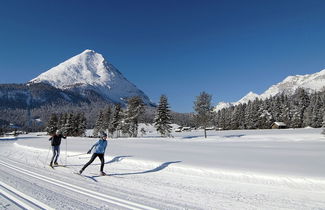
x=173, y=47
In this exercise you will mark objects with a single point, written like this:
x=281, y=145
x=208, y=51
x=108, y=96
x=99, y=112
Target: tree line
x=296, y=111
x=70, y=124
x=115, y=120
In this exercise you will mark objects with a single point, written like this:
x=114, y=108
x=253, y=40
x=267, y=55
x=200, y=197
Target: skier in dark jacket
x=55, y=143
x=100, y=147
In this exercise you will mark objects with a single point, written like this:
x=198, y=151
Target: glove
x=89, y=152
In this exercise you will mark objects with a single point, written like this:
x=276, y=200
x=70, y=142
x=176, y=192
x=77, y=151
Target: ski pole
x=77, y=155
x=47, y=156
x=66, y=152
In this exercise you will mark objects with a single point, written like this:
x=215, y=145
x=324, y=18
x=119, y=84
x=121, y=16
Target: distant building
x=279, y=125
x=186, y=129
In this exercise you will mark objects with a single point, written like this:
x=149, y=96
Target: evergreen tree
x=285, y=107
x=301, y=102
x=162, y=120
x=317, y=113
x=68, y=126
x=221, y=119
x=99, y=127
x=81, y=123
x=116, y=119
x=52, y=124
x=107, y=115
x=134, y=109
x=252, y=115
x=203, y=109
x=62, y=121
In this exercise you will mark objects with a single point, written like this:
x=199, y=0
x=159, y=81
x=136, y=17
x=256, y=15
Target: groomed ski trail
x=106, y=198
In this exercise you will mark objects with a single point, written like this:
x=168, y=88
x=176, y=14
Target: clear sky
x=174, y=47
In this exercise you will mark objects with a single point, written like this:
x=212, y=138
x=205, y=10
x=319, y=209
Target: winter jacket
x=100, y=146
x=56, y=140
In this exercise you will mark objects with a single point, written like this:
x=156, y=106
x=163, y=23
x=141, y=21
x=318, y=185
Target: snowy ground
x=256, y=169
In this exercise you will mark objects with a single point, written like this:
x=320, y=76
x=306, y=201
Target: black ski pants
x=93, y=157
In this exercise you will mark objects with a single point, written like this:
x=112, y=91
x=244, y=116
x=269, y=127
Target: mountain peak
x=90, y=70
x=309, y=82
x=87, y=67
x=88, y=51
x=249, y=97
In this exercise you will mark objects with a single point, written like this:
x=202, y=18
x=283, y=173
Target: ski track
x=21, y=199
x=80, y=190
x=173, y=187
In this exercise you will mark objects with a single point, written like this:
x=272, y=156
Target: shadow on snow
x=159, y=168
x=115, y=159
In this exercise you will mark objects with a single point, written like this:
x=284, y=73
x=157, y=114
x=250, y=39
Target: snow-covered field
x=252, y=169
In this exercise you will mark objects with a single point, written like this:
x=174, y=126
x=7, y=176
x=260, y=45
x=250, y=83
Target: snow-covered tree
x=116, y=118
x=162, y=120
x=300, y=102
x=134, y=109
x=252, y=115
x=99, y=126
x=81, y=123
x=203, y=109
x=52, y=124
x=68, y=127
x=107, y=118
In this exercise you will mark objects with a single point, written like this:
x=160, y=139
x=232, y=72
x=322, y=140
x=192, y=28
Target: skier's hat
x=58, y=132
x=103, y=134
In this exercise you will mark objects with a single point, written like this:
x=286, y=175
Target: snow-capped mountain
x=249, y=97
x=310, y=82
x=89, y=71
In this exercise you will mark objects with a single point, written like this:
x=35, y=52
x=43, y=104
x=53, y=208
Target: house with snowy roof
x=278, y=125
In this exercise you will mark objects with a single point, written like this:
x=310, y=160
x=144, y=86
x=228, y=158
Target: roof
x=280, y=123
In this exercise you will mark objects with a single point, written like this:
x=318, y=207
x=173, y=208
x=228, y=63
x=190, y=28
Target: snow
x=249, y=97
x=242, y=169
x=280, y=123
x=90, y=70
x=310, y=82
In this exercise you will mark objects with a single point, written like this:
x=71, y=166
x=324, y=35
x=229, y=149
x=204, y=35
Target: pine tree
x=265, y=117
x=107, y=115
x=203, y=109
x=134, y=109
x=116, y=119
x=301, y=102
x=52, y=124
x=162, y=120
x=99, y=127
x=81, y=124
x=285, y=107
x=252, y=115
x=62, y=122
x=68, y=127
x=317, y=113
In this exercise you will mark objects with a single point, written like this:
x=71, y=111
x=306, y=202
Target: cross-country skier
x=55, y=143
x=100, y=147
